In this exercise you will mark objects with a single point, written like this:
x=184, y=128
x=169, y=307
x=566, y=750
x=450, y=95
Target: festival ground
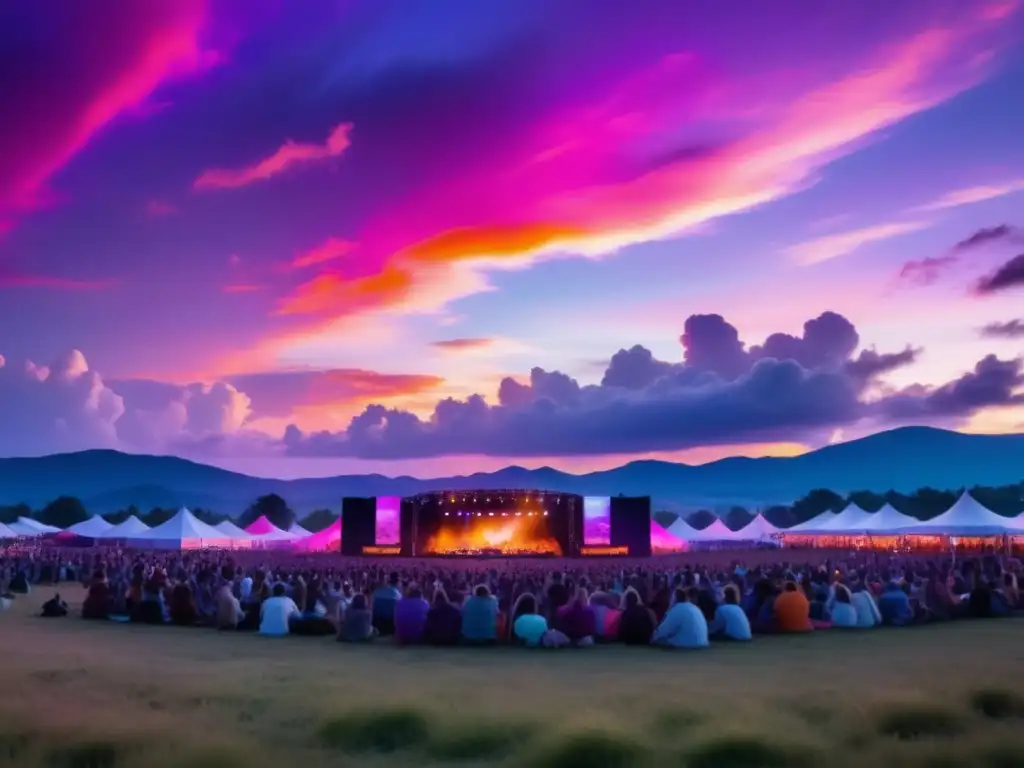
x=85, y=694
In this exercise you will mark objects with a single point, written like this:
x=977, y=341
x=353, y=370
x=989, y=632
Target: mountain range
x=901, y=459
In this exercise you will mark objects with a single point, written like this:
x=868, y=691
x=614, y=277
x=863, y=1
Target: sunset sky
x=431, y=237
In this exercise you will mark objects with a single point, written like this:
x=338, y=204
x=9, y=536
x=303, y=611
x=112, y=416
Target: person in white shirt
x=276, y=612
x=684, y=626
x=730, y=623
x=868, y=614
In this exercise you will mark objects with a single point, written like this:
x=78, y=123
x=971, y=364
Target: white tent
x=26, y=526
x=299, y=531
x=7, y=533
x=90, y=528
x=717, y=531
x=967, y=518
x=127, y=529
x=183, y=531
x=757, y=529
x=886, y=520
x=814, y=524
x=852, y=518
x=228, y=528
x=682, y=530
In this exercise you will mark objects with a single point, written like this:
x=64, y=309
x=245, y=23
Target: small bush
x=591, y=750
x=92, y=754
x=376, y=731
x=744, y=752
x=676, y=721
x=917, y=722
x=997, y=704
x=479, y=741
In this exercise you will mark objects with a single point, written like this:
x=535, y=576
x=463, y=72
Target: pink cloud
x=331, y=249
x=61, y=102
x=288, y=156
x=597, y=177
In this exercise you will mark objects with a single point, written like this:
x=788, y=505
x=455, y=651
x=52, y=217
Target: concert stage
x=496, y=523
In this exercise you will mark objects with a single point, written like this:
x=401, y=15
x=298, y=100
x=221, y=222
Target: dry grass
x=94, y=695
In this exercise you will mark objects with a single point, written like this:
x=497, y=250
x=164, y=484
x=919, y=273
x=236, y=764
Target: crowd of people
x=676, y=602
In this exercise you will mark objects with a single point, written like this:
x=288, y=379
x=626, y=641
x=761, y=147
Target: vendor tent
x=90, y=528
x=228, y=528
x=265, y=530
x=298, y=530
x=886, y=521
x=327, y=540
x=757, y=529
x=663, y=541
x=7, y=533
x=183, y=531
x=814, y=524
x=717, y=531
x=682, y=530
x=26, y=526
x=966, y=518
x=130, y=528
x=850, y=519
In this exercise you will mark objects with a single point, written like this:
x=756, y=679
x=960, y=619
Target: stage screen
x=493, y=532
x=387, y=531
x=597, y=521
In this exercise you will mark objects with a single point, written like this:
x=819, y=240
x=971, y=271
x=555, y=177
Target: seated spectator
x=54, y=608
x=606, y=615
x=684, y=626
x=863, y=603
x=730, y=622
x=844, y=615
x=277, y=612
x=528, y=626
x=411, y=617
x=97, y=604
x=443, y=625
x=636, y=625
x=229, y=610
x=183, y=606
x=894, y=606
x=383, y=602
x=480, y=618
x=357, y=623
x=577, y=620
x=152, y=608
x=792, y=610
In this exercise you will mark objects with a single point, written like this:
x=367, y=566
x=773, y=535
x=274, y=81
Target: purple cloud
x=1011, y=329
x=1009, y=275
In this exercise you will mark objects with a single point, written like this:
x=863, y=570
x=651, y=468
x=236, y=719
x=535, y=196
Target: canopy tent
x=327, y=540
x=887, y=520
x=265, y=530
x=183, y=531
x=298, y=530
x=7, y=533
x=852, y=518
x=663, y=541
x=717, y=531
x=228, y=528
x=26, y=526
x=90, y=528
x=966, y=518
x=758, y=529
x=682, y=530
x=814, y=524
x=128, y=529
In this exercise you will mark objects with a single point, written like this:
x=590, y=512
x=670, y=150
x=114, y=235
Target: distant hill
x=901, y=459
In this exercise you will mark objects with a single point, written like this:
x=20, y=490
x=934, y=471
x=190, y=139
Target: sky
x=435, y=237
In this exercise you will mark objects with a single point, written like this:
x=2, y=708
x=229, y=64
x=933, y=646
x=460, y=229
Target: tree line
x=65, y=511
x=923, y=504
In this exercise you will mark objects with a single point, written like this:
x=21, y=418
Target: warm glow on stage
x=493, y=533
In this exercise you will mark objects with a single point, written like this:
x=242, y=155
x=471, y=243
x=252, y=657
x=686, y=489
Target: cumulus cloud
x=1011, y=329
x=721, y=392
x=1009, y=275
x=992, y=382
x=288, y=156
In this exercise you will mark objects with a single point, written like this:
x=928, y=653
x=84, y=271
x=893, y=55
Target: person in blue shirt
x=894, y=605
x=480, y=617
x=383, y=602
x=528, y=626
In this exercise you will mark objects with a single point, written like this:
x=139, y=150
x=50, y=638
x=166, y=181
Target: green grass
x=93, y=695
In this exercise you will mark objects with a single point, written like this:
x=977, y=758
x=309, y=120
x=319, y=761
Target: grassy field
x=77, y=694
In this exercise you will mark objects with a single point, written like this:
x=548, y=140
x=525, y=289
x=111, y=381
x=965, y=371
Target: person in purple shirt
x=411, y=616
x=578, y=620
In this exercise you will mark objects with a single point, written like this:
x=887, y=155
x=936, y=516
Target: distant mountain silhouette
x=901, y=459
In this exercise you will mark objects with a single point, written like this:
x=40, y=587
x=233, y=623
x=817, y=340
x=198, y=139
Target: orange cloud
x=334, y=293
x=462, y=345
x=289, y=155
x=491, y=241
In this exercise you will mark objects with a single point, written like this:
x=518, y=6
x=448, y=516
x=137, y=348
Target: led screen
x=597, y=521
x=388, y=529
